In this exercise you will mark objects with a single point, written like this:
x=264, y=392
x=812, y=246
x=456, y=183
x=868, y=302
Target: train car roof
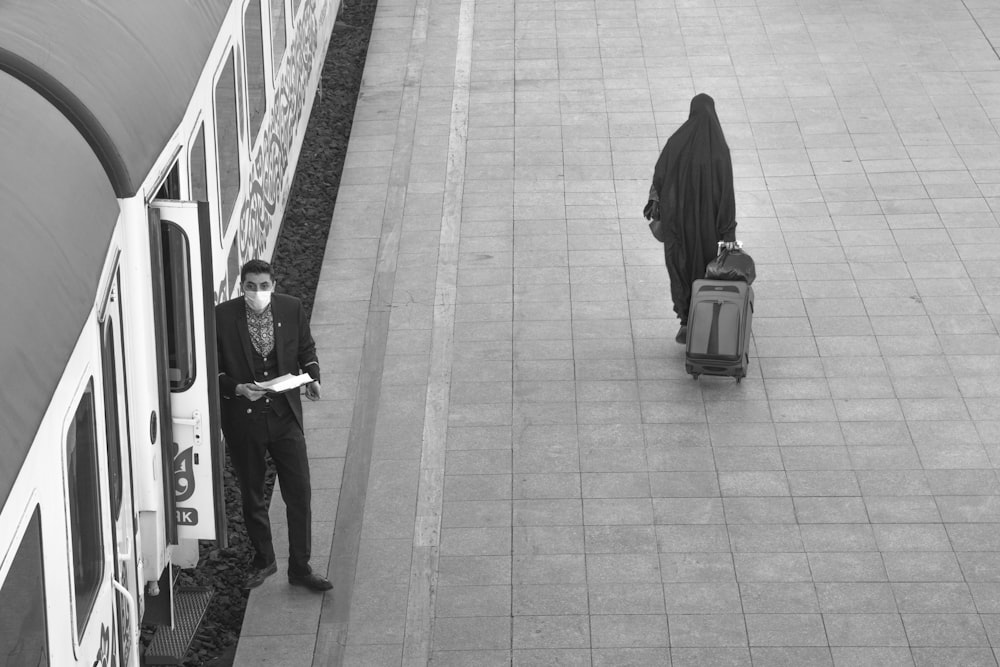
x=90, y=93
x=122, y=71
x=57, y=214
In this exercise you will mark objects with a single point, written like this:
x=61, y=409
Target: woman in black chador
x=692, y=193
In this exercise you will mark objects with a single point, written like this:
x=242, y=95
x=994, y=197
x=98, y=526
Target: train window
x=178, y=292
x=111, y=423
x=197, y=168
x=227, y=139
x=171, y=186
x=23, y=640
x=253, y=41
x=85, y=508
x=277, y=34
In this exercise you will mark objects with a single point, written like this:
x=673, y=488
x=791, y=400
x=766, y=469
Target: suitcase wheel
x=695, y=376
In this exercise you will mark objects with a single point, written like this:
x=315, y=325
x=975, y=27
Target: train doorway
x=192, y=374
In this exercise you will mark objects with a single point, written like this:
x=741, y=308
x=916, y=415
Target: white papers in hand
x=284, y=383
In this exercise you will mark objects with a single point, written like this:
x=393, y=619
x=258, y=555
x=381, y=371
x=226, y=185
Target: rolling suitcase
x=718, y=335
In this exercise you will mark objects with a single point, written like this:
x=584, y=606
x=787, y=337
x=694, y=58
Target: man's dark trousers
x=280, y=436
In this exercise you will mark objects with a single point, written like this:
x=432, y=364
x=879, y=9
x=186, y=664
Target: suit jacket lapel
x=244, y=331
x=279, y=335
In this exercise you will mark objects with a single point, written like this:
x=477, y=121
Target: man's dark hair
x=256, y=266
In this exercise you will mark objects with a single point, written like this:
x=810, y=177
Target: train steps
x=170, y=645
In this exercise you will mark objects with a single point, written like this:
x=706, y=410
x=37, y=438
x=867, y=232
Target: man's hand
x=312, y=391
x=250, y=391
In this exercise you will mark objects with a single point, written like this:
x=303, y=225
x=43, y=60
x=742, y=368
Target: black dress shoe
x=312, y=581
x=682, y=335
x=258, y=577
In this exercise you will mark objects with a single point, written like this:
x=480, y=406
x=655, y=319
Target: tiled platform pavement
x=529, y=478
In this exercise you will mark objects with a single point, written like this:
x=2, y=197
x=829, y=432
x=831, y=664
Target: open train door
x=192, y=373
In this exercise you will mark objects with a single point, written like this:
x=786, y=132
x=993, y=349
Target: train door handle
x=133, y=627
x=195, y=423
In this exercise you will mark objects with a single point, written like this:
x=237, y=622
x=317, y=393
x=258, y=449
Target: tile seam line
x=419, y=624
x=982, y=30
x=334, y=620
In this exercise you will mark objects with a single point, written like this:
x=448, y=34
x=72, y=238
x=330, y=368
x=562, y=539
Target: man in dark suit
x=262, y=336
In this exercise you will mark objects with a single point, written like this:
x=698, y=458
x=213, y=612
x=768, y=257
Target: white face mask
x=258, y=301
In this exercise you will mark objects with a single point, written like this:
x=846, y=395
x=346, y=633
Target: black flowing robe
x=693, y=181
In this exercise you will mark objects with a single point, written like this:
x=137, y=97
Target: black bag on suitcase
x=718, y=334
x=731, y=264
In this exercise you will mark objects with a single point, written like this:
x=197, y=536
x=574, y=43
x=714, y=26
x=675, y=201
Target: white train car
x=146, y=151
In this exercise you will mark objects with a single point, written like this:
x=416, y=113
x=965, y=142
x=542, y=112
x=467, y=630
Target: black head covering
x=694, y=180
